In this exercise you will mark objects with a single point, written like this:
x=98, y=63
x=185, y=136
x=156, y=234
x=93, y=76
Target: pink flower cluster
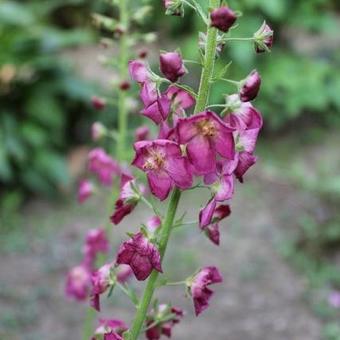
x=85, y=280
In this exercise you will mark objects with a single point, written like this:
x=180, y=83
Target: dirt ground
x=260, y=299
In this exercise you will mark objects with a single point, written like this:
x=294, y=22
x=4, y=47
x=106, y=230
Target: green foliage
x=41, y=98
x=301, y=77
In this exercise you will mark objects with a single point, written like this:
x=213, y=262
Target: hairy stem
x=202, y=99
x=123, y=60
x=208, y=65
x=151, y=284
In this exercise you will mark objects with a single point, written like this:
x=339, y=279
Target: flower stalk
x=202, y=99
x=123, y=73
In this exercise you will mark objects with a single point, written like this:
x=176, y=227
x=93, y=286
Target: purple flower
x=164, y=165
x=263, y=38
x=250, y=86
x=98, y=103
x=141, y=255
x=85, y=190
x=111, y=329
x=103, y=166
x=139, y=71
x=223, y=18
x=171, y=65
x=127, y=200
x=209, y=219
x=156, y=106
x=334, y=299
x=98, y=131
x=101, y=281
x=163, y=311
x=78, y=283
x=199, y=290
x=142, y=133
x=95, y=242
x=205, y=135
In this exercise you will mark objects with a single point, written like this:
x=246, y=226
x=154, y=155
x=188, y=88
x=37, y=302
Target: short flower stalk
x=195, y=148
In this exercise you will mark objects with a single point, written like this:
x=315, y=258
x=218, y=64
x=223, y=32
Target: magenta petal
x=247, y=139
x=224, y=142
x=160, y=184
x=246, y=160
x=138, y=71
x=213, y=233
x=201, y=155
x=179, y=171
x=153, y=112
x=187, y=129
x=148, y=93
x=225, y=189
x=206, y=214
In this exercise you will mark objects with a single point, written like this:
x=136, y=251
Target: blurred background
x=280, y=251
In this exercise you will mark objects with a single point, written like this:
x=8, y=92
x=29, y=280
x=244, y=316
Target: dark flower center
x=206, y=128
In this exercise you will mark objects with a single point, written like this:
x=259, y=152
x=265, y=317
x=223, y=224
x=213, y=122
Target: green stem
x=122, y=64
x=203, y=95
x=209, y=64
x=151, y=284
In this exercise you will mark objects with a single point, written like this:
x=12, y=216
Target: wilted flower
x=250, y=86
x=142, y=133
x=209, y=219
x=206, y=135
x=85, y=190
x=198, y=287
x=98, y=103
x=127, y=200
x=78, y=283
x=103, y=166
x=96, y=242
x=141, y=255
x=101, y=281
x=171, y=65
x=164, y=165
x=263, y=38
x=223, y=18
x=161, y=321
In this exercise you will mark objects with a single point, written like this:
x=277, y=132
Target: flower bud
x=171, y=65
x=98, y=131
x=124, y=85
x=174, y=7
x=223, y=18
x=250, y=86
x=263, y=38
x=143, y=54
x=98, y=103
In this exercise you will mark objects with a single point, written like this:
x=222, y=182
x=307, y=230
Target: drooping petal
x=160, y=184
x=179, y=171
x=225, y=188
x=206, y=214
x=246, y=160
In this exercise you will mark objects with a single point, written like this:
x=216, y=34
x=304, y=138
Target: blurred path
x=261, y=298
